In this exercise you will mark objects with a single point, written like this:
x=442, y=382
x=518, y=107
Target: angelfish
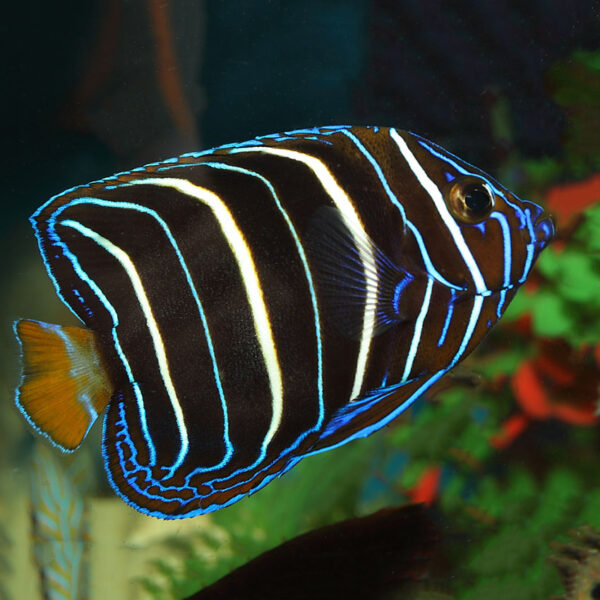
x=259, y=302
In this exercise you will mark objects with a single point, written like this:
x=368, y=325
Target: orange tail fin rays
x=64, y=385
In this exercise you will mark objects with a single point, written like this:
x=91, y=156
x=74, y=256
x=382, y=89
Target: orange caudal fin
x=64, y=385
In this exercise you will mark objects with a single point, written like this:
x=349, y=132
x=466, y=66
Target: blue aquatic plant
x=59, y=528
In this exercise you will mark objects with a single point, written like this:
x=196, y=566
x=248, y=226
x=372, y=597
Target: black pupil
x=596, y=591
x=477, y=199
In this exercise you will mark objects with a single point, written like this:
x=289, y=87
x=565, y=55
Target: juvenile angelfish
x=256, y=303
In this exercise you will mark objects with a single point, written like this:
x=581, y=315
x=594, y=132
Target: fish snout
x=541, y=226
x=544, y=231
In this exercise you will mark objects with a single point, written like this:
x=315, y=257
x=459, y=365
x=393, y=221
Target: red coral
x=426, y=488
x=560, y=383
x=567, y=201
x=511, y=428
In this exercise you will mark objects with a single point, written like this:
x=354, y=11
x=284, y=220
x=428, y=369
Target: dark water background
x=91, y=88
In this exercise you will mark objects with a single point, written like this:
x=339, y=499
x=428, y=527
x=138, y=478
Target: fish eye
x=470, y=199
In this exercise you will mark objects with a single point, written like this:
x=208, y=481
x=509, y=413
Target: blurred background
x=507, y=453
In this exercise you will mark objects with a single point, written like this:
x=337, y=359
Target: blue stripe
x=501, y=301
x=379, y=172
x=530, y=247
x=416, y=339
x=448, y=319
x=431, y=270
x=507, y=257
x=477, y=305
x=400, y=287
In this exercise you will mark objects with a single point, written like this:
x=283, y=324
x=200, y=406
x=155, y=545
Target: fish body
x=259, y=302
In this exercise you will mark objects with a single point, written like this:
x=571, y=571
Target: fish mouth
x=540, y=225
x=544, y=231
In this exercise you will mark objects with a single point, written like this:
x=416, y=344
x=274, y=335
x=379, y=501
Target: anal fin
x=64, y=385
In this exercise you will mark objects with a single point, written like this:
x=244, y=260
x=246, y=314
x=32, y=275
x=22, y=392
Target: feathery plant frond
x=59, y=528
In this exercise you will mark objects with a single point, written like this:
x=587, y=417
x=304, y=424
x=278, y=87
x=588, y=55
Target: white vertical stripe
x=442, y=209
x=414, y=344
x=354, y=224
x=477, y=306
x=159, y=348
x=144, y=210
x=254, y=293
x=309, y=278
